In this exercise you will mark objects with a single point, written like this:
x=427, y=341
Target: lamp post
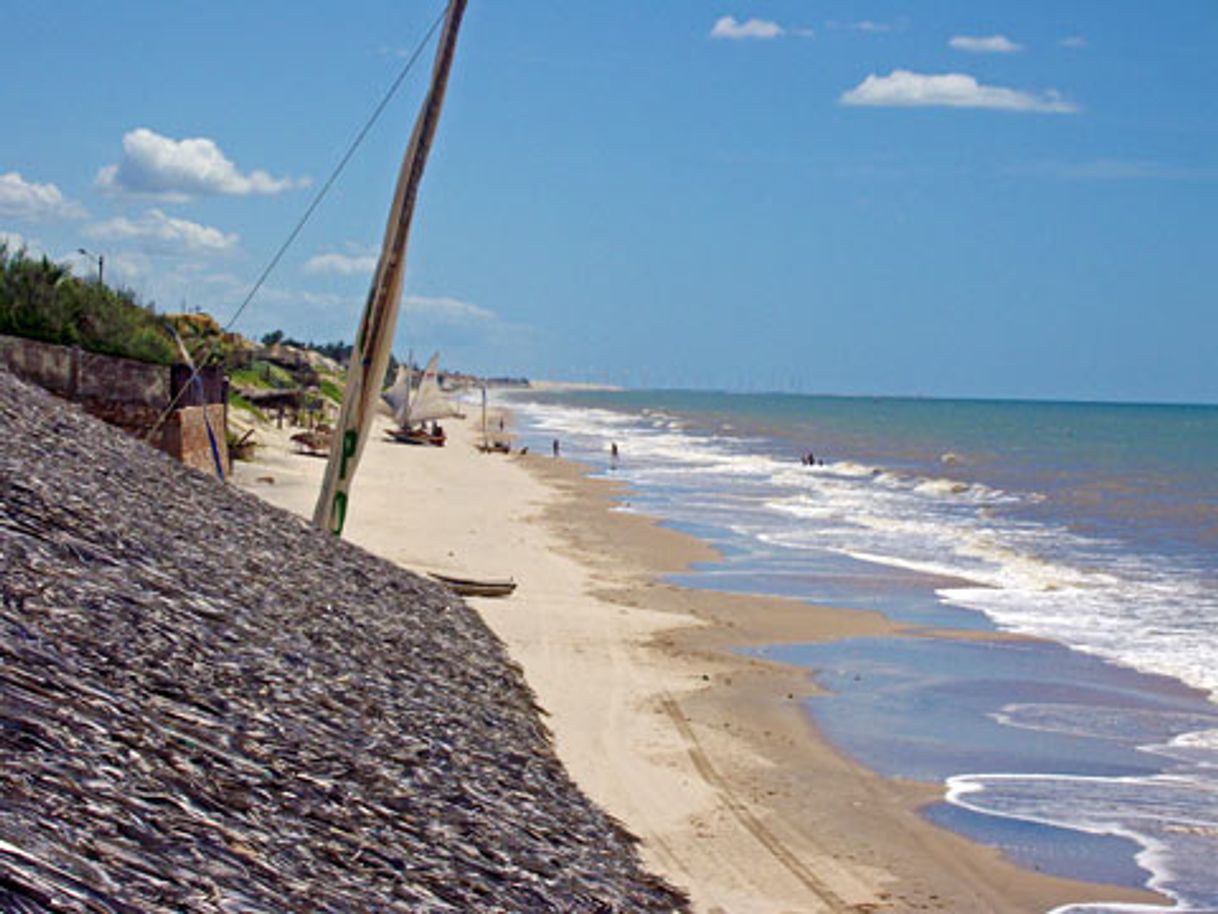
x=101, y=262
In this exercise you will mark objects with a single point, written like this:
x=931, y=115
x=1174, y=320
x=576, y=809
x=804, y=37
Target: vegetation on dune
x=42, y=300
x=332, y=389
x=331, y=383
x=207, y=342
x=262, y=375
x=337, y=351
x=237, y=401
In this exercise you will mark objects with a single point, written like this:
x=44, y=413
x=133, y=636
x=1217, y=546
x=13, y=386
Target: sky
x=956, y=199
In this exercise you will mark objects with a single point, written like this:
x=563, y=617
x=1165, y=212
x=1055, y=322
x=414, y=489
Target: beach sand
x=705, y=755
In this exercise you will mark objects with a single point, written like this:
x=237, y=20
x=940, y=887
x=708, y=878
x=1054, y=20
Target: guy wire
x=300, y=224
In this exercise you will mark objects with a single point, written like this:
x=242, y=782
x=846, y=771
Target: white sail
x=370, y=353
x=429, y=401
x=397, y=397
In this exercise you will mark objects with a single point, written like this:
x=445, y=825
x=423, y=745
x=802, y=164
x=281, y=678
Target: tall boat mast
x=374, y=338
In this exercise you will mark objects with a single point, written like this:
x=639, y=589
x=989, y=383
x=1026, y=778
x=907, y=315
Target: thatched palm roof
x=208, y=705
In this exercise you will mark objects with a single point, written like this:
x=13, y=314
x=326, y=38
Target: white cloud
x=342, y=264
x=12, y=241
x=34, y=248
x=729, y=27
x=1073, y=41
x=128, y=267
x=176, y=170
x=165, y=234
x=989, y=44
x=302, y=312
x=122, y=267
x=865, y=25
x=31, y=202
x=905, y=89
x=447, y=310
x=320, y=300
x=234, y=288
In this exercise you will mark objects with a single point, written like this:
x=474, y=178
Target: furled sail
x=370, y=353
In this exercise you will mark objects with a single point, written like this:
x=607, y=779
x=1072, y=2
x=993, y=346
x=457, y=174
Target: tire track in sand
x=745, y=816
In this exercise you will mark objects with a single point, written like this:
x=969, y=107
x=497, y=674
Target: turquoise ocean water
x=1093, y=753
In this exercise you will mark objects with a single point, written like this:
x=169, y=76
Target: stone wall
x=131, y=395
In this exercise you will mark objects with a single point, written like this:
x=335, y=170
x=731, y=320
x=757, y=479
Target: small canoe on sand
x=476, y=587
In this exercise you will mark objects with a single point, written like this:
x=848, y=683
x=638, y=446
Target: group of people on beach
x=613, y=453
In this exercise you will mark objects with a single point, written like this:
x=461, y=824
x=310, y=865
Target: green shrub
x=262, y=375
x=236, y=401
x=42, y=300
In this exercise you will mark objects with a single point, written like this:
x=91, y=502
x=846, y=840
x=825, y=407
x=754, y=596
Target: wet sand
x=706, y=755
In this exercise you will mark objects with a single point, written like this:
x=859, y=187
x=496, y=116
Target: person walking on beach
x=555, y=447
x=613, y=455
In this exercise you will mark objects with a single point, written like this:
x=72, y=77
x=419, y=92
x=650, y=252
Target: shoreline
x=803, y=801
x=705, y=754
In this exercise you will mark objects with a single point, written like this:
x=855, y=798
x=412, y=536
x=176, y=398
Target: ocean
x=1091, y=752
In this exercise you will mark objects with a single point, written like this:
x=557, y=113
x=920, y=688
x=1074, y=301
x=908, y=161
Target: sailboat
x=489, y=445
x=397, y=395
x=428, y=404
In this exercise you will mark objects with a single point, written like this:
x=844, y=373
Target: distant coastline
x=567, y=386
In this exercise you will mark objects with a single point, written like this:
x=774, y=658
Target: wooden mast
x=374, y=338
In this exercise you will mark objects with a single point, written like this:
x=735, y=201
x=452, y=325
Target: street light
x=101, y=262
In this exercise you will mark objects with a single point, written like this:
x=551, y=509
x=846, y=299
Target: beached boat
x=314, y=442
x=415, y=409
x=489, y=445
x=476, y=587
x=418, y=436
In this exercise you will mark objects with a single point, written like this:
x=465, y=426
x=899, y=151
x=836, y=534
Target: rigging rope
x=300, y=224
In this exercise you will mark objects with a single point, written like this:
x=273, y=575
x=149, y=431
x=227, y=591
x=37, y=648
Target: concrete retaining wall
x=131, y=395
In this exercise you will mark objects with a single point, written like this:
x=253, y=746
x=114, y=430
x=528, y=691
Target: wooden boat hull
x=314, y=444
x=404, y=436
x=473, y=587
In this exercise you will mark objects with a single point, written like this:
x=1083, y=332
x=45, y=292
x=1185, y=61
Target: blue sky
x=943, y=199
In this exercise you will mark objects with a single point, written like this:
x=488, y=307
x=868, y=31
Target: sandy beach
x=705, y=755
